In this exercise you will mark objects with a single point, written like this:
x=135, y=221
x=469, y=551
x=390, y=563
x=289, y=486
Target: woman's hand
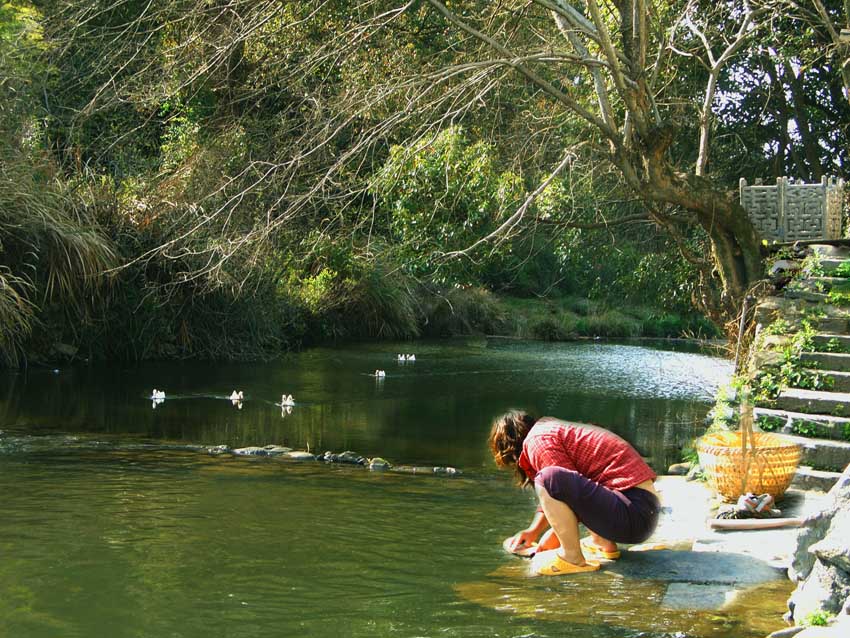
x=524, y=538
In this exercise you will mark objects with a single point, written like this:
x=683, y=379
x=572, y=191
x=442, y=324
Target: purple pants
x=629, y=516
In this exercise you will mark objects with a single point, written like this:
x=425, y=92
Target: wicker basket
x=772, y=463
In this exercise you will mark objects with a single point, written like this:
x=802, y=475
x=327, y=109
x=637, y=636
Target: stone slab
x=807, y=478
x=826, y=425
x=823, y=454
x=814, y=401
x=826, y=360
x=703, y=568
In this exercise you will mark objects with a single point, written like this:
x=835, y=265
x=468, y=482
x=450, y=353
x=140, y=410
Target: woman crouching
x=582, y=474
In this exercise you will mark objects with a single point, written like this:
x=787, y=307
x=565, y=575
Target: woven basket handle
x=747, y=436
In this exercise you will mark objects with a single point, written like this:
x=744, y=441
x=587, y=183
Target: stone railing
x=791, y=211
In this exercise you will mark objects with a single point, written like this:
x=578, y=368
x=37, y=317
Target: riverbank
x=241, y=334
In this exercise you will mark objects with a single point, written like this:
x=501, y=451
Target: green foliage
x=843, y=270
x=838, y=298
x=769, y=423
x=818, y=618
x=610, y=323
x=845, y=431
x=442, y=194
x=769, y=382
x=810, y=267
x=807, y=428
x=779, y=326
x=464, y=310
x=53, y=250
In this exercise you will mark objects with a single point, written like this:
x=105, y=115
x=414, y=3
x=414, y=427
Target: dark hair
x=506, y=437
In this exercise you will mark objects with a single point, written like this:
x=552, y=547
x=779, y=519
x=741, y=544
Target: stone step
x=831, y=251
x=822, y=454
x=810, y=479
x=814, y=402
x=829, y=264
x=823, y=426
x=805, y=295
x=834, y=324
x=826, y=360
x=821, y=284
x=840, y=381
x=831, y=342
x=835, y=319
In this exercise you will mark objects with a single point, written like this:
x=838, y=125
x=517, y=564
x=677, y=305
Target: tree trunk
x=736, y=247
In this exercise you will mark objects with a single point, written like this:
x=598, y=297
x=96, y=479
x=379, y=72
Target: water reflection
x=113, y=518
x=436, y=410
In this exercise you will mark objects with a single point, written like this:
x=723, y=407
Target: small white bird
x=286, y=400
x=411, y=357
x=401, y=357
x=380, y=373
x=236, y=396
x=158, y=395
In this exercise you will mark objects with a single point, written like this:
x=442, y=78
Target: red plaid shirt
x=594, y=452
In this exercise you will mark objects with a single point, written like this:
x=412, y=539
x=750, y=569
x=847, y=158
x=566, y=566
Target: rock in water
x=276, y=450
x=379, y=464
x=352, y=458
x=301, y=456
x=251, y=451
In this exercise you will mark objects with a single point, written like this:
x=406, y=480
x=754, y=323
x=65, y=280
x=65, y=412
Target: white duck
x=236, y=396
x=158, y=395
x=380, y=373
x=411, y=357
x=286, y=400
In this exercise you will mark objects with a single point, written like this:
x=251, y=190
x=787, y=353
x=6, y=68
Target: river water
x=115, y=523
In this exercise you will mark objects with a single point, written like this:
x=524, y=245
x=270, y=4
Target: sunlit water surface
x=115, y=524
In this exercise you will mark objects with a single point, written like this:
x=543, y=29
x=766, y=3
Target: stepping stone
x=814, y=401
x=820, y=425
x=807, y=478
x=826, y=360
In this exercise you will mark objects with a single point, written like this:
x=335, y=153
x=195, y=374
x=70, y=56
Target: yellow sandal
x=548, y=563
x=591, y=548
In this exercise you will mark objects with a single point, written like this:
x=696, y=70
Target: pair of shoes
x=526, y=551
x=548, y=563
x=589, y=547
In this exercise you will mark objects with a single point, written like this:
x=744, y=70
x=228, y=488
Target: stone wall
x=821, y=566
